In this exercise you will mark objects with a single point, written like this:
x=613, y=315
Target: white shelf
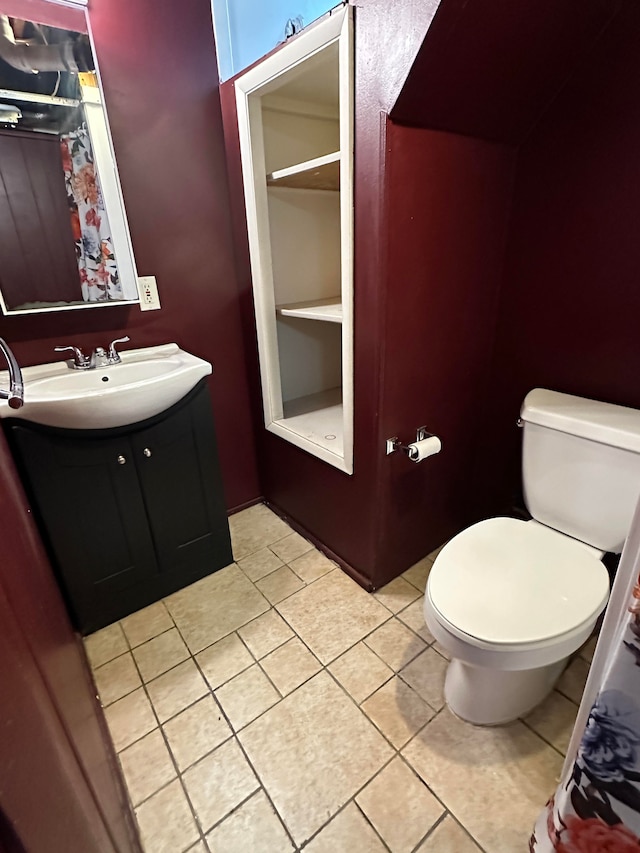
x=329, y=310
x=321, y=173
x=317, y=418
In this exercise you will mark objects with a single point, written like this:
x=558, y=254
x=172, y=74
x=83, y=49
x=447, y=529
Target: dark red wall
x=343, y=512
x=60, y=787
x=158, y=67
x=571, y=297
x=448, y=201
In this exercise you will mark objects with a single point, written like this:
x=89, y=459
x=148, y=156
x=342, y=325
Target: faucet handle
x=113, y=355
x=80, y=360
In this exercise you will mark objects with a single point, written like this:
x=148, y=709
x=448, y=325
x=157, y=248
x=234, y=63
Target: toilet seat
x=515, y=584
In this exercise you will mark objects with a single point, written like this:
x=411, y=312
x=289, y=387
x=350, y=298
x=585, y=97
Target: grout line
x=542, y=737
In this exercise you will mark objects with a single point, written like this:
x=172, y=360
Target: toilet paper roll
x=419, y=450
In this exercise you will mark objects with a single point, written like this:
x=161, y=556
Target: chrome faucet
x=98, y=358
x=15, y=395
x=80, y=361
x=112, y=356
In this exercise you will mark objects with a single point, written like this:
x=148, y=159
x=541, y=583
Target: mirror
x=64, y=240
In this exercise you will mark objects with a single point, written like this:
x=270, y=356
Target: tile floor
x=275, y=706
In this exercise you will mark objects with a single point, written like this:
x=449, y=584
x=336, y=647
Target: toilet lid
x=509, y=581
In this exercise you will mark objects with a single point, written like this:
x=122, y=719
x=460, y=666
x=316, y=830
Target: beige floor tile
x=360, y=672
x=116, y=678
x=438, y=647
x=312, y=565
x=587, y=651
x=348, y=832
x=219, y=783
x=253, y=827
x=433, y=554
x=400, y=806
x=493, y=779
x=290, y=666
x=413, y=617
x=255, y=528
x=395, y=644
x=198, y=848
x=147, y=766
x=105, y=645
x=196, y=731
x=166, y=821
x=247, y=696
x=426, y=675
x=260, y=564
x=418, y=573
x=176, y=690
x=554, y=720
x=397, y=594
x=449, y=837
x=224, y=659
x=332, y=614
x=573, y=679
x=279, y=584
x=208, y=610
x=397, y=711
x=146, y=624
x=130, y=718
x=290, y=547
x=160, y=654
x=344, y=752
x=265, y=633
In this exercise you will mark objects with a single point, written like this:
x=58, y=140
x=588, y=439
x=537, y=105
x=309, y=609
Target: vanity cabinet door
x=181, y=485
x=90, y=507
x=130, y=514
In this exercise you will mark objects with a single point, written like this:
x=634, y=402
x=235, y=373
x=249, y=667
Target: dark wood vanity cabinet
x=129, y=514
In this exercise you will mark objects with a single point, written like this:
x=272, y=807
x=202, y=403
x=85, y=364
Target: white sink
x=145, y=383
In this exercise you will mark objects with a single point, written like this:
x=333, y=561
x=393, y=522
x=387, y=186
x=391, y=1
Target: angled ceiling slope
x=489, y=68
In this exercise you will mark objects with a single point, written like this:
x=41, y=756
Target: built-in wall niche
x=296, y=134
x=64, y=238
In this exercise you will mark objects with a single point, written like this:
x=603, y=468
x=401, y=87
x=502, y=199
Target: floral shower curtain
x=596, y=806
x=89, y=222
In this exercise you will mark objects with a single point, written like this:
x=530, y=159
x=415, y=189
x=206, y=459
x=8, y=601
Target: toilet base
x=493, y=697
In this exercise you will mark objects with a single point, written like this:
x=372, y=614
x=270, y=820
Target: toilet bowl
x=501, y=598
x=511, y=600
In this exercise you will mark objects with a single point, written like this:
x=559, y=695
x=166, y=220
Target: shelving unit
x=329, y=310
x=295, y=117
x=321, y=173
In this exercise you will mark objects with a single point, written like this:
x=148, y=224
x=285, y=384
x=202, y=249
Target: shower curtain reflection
x=97, y=268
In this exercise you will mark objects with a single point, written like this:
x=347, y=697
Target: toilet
x=511, y=600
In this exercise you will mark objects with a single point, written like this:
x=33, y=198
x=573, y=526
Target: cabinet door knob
x=122, y=460
x=147, y=452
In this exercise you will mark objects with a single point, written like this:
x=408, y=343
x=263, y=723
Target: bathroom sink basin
x=146, y=382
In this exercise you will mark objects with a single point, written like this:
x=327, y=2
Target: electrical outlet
x=148, y=290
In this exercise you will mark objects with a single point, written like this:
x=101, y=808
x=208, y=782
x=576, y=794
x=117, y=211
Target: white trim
x=112, y=303
x=319, y=36
x=111, y=192
x=250, y=89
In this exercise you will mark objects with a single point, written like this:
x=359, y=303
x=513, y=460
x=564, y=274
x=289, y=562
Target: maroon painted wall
x=571, y=296
x=343, y=512
x=158, y=67
x=60, y=787
x=448, y=202
x=493, y=67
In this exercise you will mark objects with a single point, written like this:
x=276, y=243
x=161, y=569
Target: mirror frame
x=67, y=14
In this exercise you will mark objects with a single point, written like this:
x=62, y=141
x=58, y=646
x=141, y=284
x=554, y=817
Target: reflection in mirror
x=64, y=241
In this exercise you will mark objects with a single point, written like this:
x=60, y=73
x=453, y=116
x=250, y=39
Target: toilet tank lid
x=616, y=426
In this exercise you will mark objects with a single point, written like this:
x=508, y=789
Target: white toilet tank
x=581, y=466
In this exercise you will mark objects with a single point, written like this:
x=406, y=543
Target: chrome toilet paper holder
x=393, y=444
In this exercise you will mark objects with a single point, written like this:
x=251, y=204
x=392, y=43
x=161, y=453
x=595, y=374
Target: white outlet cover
x=148, y=290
